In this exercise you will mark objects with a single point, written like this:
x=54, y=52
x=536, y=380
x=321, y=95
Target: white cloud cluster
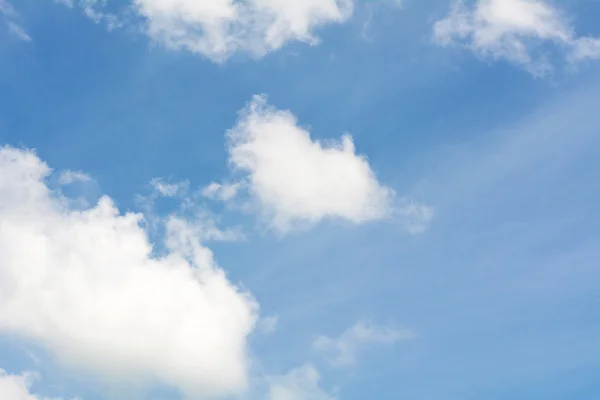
x=219, y=28
x=343, y=350
x=299, y=384
x=85, y=286
x=10, y=17
x=296, y=179
x=514, y=30
x=18, y=387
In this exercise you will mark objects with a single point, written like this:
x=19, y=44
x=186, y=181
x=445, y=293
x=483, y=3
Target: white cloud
x=10, y=17
x=299, y=384
x=84, y=285
x=218, y=29
x=296, y=179
x=18, y=387
x=514, y=30
x=343, y=350
x=68, y=177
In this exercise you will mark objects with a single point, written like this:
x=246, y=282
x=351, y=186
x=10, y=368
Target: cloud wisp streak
x=11, y=16
x=343, y=350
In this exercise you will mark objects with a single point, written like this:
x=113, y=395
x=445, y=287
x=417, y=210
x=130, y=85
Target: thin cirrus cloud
x=518, y=31
x=217, y=29
x=342, y=351
x=11, y=16
x=295, y=180
x=71, y=279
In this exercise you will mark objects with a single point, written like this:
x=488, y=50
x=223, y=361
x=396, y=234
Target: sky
x=299, y=200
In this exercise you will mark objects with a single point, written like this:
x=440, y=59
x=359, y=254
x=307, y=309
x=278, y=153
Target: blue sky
x=182, y=218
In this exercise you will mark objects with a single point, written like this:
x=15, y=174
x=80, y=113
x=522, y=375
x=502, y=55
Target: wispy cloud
x=68, y=177
x=343, y=350
x=189, y=212
x=93, y=9
x=169, y=189
x=18, y=31
x=516, y=31
x=11, y=16
x=221, y=191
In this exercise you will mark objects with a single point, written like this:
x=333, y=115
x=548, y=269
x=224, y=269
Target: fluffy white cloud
x=343, y=350
x=514, y=30
x=84, y=285
x=17, y=387
x=296, y=179
x=219, y=28
x=10, y=16
x=299, y=384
